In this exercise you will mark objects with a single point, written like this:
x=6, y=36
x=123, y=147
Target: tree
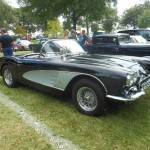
x=109, y=19
x=131, y=16
x=20, y=31
x=53, y=28
x=26, y=20
x=74, y=10
x=7, y=17
x=144, y=19
x=94, y=27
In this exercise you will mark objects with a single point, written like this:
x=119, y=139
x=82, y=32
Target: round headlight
x=131, y=78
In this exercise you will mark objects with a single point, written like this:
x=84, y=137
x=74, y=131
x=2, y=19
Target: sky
x=121, y=6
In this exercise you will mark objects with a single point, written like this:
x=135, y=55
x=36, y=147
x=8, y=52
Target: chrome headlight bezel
x=131, y=78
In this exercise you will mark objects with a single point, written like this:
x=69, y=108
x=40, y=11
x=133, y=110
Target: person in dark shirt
x=85, y=39
x=6, y=43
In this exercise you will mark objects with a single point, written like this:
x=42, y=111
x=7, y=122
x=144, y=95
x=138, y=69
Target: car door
x=136, y=49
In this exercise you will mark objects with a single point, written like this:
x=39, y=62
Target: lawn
x=16, y=135
x=122, y=127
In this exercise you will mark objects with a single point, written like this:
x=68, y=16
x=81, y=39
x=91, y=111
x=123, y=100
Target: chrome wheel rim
x=87, y=99
x=8, y=77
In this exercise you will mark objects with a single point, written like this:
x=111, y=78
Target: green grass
x=16, y=135
x=34, y=41
x=19, y=52
x=122, y=127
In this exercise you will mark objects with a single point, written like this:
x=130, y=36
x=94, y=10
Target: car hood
x=107, y=61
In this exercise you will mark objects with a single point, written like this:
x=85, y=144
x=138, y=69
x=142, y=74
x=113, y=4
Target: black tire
x=8, y=77
x=89, y=97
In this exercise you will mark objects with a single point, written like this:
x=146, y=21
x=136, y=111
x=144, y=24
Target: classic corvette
x=62, y=66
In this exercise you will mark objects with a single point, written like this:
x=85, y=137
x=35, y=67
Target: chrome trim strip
x=96, y=79
x=132, y=98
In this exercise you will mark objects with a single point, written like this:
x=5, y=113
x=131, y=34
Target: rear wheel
x=8, y=77
x=89, y=97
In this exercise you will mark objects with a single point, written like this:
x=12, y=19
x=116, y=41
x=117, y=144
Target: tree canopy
x=144, y=19
x=73, y=10
x=7, y=16
x=132, y=17
x=53, y=29
x=109, y=20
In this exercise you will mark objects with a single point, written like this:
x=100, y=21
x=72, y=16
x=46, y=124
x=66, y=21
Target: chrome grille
x=145, y=84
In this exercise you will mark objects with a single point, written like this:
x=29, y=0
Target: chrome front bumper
x=133, y=93
x=131, y=98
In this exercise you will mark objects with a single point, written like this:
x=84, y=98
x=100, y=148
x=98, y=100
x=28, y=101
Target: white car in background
x=22, y=44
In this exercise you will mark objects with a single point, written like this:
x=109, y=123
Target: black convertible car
x=62, y=66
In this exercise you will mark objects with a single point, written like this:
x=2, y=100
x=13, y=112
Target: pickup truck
x=116, y=44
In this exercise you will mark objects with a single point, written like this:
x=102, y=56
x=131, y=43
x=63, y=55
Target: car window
x=69, y=46
x=137, y=39
x=145, y=33
x=98, y=33
x=61, y=47
x=124, y=39
x=50, y=50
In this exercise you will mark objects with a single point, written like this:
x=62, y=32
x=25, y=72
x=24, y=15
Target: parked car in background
x=63, y=67
x=98, y=32
x=37, y=47
x=145, y=33
x=116, y=44
x=22, y=45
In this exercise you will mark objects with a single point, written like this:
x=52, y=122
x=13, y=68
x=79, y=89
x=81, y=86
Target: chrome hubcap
x=8, y=77
x=87, y=98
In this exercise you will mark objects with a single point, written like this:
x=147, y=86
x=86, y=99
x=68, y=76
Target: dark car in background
x=63, y=67
x=98, y=32
x=143, y=32
x=37, y=47
x=117, y=44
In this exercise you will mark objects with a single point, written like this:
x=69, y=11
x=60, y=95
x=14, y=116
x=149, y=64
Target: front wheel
x=89, y=97
x=8, y=77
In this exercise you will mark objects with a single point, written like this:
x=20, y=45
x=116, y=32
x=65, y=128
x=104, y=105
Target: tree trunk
x=87, y=27
x=74, y=20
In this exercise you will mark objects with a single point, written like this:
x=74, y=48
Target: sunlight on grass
x=15, y=134
x=18, y=52
x=121, y=127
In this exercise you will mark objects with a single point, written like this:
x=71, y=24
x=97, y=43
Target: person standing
x=66, y=35
x=79, y=38
x=6, y=43
x=85, y=39
x=73, y=34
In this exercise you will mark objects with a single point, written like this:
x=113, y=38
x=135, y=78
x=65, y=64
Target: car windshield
x=137, y=39
x=145, y=34
x=123, y=39
x=54, y=48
